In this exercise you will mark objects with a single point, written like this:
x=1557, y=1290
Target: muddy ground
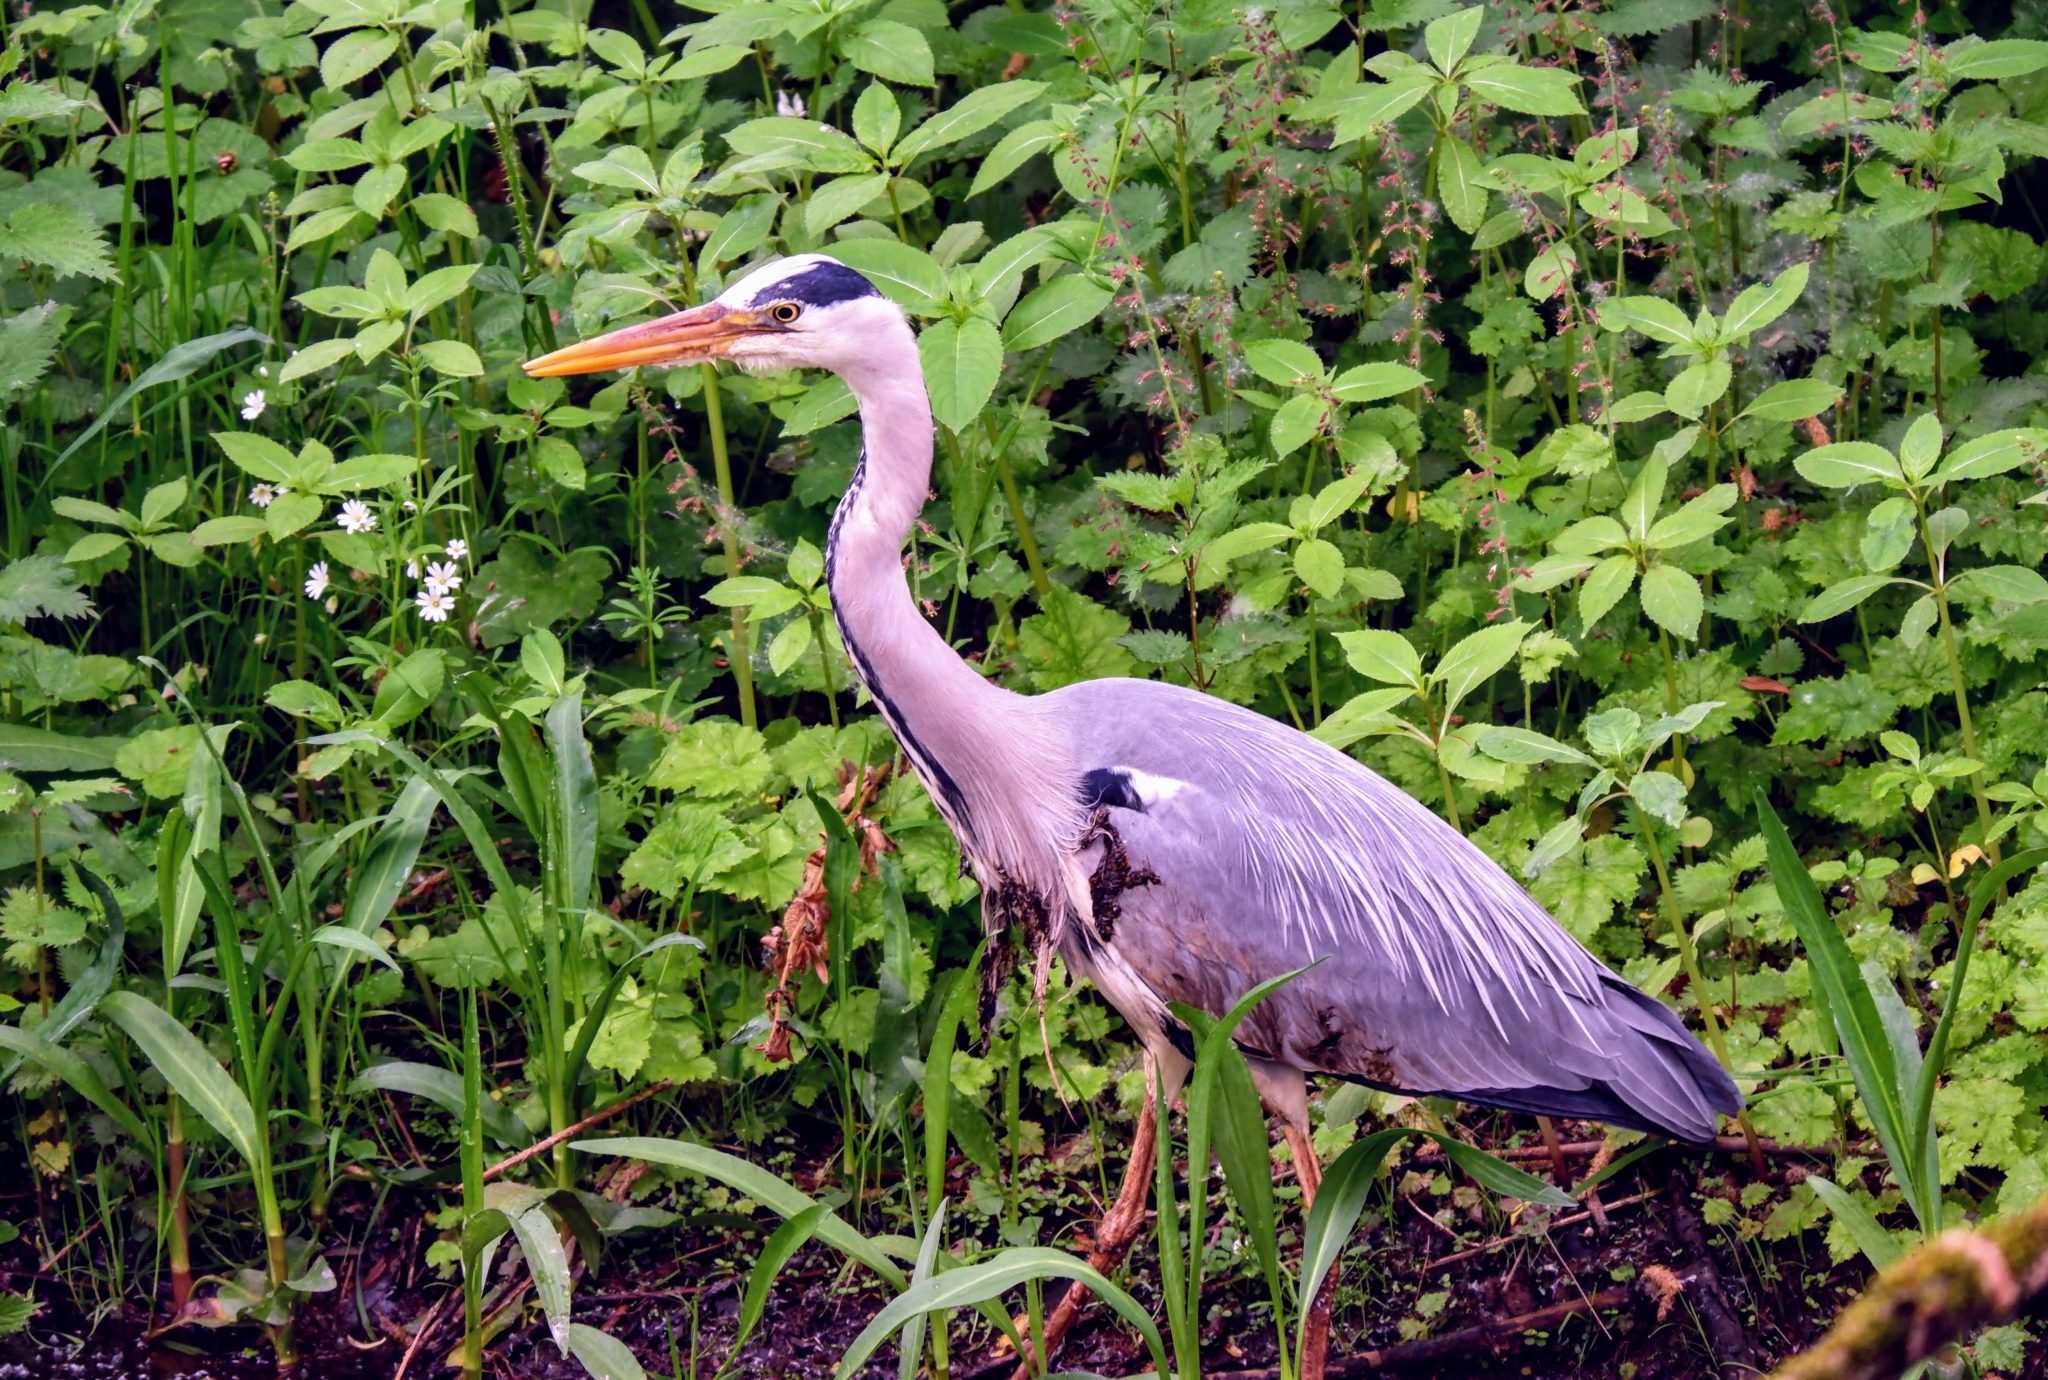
x=1671, y=1287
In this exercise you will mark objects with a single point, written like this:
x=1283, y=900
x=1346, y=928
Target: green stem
x=728, y=533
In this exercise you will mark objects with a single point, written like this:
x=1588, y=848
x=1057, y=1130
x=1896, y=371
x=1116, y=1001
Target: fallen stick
x=601, y=1115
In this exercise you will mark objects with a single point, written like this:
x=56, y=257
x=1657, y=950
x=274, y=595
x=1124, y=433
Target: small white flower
x=443, y=578
x=332, y=603
x=457, y=549
x=316, y=580
x=356, y=517
x=789, y=105
x=410, y=506
x=263, y=495
x=434, y=605
x=252, y=405
x=263, y=371
x=412, y=570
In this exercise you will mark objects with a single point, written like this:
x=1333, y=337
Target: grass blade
x=1337, y=1207
x=187, y=1066
x=1864, y=1229
x=976, y=1283
x=603, y=1355
x=85, y=1080
x=443, y=1088
x=787, y=1240
x=753, y=1181
x=1865, y=1042
x=180, y=361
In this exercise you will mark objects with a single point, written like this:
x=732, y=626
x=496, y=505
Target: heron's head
x=808, y=310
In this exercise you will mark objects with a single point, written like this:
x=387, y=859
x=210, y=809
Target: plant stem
x=1689, y=959
x=728, y=534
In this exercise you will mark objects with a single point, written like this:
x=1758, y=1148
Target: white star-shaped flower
x=457, y=549
x=443, y=577
x=356, y=517
x=316, y=580
x=263, y=495
x=252, y=405
x=435, y=606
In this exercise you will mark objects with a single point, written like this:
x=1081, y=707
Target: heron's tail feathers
x=1662, y=1079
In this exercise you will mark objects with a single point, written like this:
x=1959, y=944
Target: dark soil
x=1731, y=1301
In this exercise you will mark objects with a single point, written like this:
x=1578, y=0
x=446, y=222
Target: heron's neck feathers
x=999, y=772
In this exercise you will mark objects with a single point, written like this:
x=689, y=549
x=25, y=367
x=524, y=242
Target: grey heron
x=1171, y=846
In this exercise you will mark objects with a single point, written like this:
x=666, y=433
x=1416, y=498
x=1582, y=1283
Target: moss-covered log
x=1943, y=1292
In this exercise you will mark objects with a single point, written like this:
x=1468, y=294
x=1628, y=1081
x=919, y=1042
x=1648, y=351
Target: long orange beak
x=688, y=337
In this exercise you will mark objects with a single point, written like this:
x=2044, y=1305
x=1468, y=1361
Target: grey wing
x=1266, y=850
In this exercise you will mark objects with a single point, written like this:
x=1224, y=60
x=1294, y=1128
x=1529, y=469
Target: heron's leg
x=1119, y=1226
x=1308, y=1171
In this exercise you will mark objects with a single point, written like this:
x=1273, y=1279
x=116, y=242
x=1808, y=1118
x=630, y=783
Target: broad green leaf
x=603, y=1357
x=1321, y=566
x=1997, y=453
x=1501, y=1177
x=1997, y=59
x=1527, y=747
x=1053, y=309
x=1530, y=90
x=969, y=115
x=2011, y=584
x=891, y=50
x=760, y=595
x=1660, y=795
x=1550, y=271
x=1848, y=463
x=1920, y=447
x=1285, y=362
x=1364, y=383
x=1360, y=107
x=1757, y=306
x=1698, y=519
x=1383, y=656
x=1645, y=495
x=1604, y=587
x=962, y=363
x=81, y=1076
x=443, y=1088
x=877, y=117
x=1012, y=152
x=1794, y=400
x=1335, y=499
x=1295, y=423
x=1474, y=659
x=1458, y=181
x=1843, y=596
x=1698, y=387
x=1450, y=38
x=1651, y=316
x=1672, y=600
x=906, y=275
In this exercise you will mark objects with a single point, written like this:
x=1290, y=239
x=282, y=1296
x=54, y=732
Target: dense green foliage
x=1586, y=418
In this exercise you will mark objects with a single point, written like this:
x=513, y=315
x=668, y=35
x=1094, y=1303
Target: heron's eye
x=785, y=312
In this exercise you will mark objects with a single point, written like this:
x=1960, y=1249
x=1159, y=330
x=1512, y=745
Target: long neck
x=975, y=745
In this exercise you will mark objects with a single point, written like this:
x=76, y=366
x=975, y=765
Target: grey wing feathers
x=1434, y=971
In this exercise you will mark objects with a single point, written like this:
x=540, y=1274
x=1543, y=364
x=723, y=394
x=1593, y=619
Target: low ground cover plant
x=447, y=876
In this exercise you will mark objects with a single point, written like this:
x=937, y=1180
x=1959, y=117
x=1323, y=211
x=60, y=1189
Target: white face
x=825, y=316
x=806, y=311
